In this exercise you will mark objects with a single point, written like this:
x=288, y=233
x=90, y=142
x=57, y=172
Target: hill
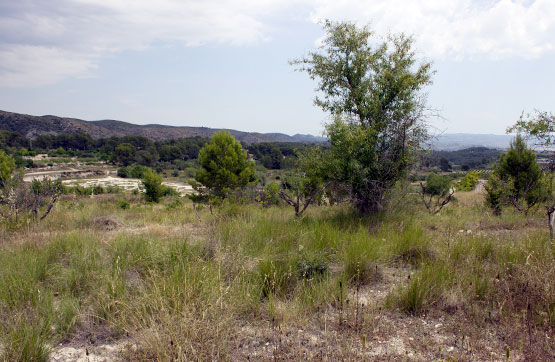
x=459, y=141
x=32, y=126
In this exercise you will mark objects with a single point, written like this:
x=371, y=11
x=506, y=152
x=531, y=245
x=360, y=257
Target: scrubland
x=96, y=281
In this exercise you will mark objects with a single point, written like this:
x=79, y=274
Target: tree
x=225, y=167
x=7, y=165
x=436, y=193
x=152, y=183
x=444, y=165
x=540, y=126
x=301, y=187
x=125, y=153
x=170, y=153
x=375, y=95
x=516, y=179
x=20, y=198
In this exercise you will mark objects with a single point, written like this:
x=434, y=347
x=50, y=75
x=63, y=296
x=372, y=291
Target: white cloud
x=44, y=41
x=456, y=28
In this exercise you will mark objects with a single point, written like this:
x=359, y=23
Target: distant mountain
x=459, y=141
x=32, y=126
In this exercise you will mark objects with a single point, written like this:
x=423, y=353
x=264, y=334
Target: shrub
x=123, y=204
x=468, y=183
x=138, y=171
x=269, y=195
x=152, y=183
x=123, y=172
x=311, y=267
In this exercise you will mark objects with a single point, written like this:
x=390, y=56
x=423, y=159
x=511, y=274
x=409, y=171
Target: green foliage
x=7, y=166
x=436, y=193
x=269, y=195
x=276, y=277
x=540, y=125
x=225, y=166
x=469, y=181
x=312, y=266
x=124, y=153
x=374, y=94
x=424, y=289
x=123, y=172
x=495, y=193
x=123, y=204
x=152, y=183
x=516, y=179
x=444, y=165
x=303, y=186
x=437, y=185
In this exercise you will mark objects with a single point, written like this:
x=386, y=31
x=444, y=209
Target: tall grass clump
x=424, y=289
x=410, y=245
x=360, y=254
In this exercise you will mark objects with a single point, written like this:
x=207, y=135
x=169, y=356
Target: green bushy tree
x=436, y=193
x=225, y=167
x=124, y=153
x=517, y=179
x=152, y=183
x=374, y=93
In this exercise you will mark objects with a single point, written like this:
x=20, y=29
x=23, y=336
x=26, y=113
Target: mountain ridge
x=31, y=126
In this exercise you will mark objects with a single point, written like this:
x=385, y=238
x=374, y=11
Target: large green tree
x=225, y=166
x=374, y=92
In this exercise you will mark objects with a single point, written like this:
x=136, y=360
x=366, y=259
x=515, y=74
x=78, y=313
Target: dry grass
x=260, y=284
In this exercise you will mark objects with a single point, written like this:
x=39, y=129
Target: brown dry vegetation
x=252, y=283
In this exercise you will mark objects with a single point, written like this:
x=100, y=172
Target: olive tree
x=436, y=193
x=374, y=91
x=18, y=198
x=303, y=185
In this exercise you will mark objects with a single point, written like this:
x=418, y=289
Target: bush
x=138, y=171
x=468, y=183
x=123, y=204
x=437, y=185
x=152, y=183
x=123, y=172
x=269, y=195
x=312, y=267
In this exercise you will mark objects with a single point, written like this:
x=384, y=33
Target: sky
x=225, y=63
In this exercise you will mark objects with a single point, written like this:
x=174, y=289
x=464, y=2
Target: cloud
x=42, y=42
x=458, y=29
x=45, y=41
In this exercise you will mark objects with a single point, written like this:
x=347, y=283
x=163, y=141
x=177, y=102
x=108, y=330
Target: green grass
x=180, y=288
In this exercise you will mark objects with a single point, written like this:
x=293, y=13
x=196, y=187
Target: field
x=100, y=279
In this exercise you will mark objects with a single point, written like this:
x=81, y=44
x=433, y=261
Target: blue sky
x=225, y=64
